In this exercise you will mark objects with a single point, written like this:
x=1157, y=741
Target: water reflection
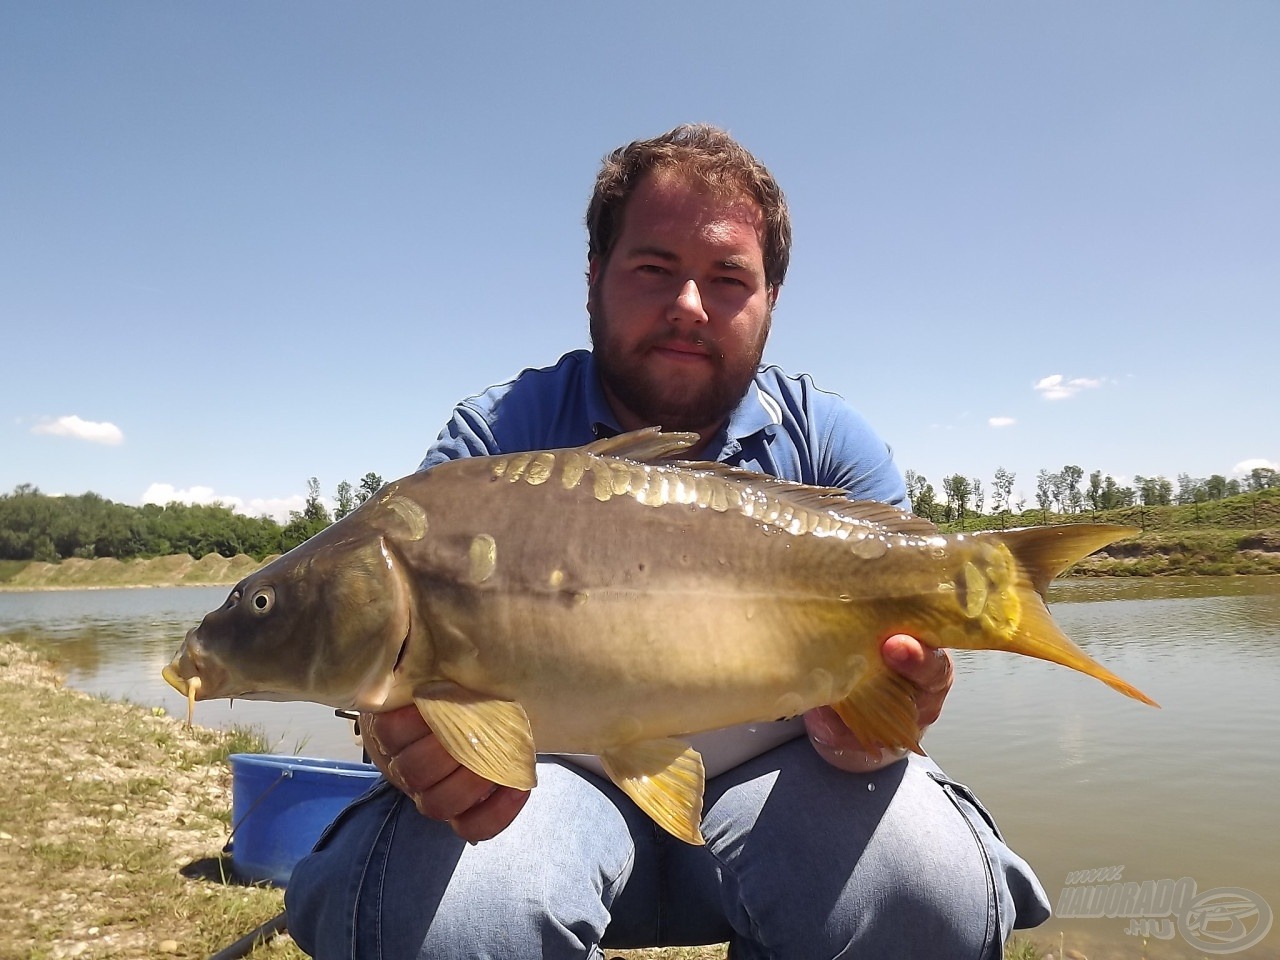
x=116, y=642
x=1077, y=776
x=1080, y=777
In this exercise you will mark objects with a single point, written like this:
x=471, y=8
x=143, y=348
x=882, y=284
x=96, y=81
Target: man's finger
x=396, y=729
x=929, y=668
x=491, y=815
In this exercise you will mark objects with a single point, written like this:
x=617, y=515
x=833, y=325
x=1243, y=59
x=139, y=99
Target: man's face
x=680, y=310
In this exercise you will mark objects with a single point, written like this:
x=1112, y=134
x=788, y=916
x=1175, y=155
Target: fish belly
x=663, y=625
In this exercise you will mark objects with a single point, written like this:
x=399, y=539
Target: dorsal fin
x=891, y=518
x=834, y=499
x=642, y=446
x=651, y=445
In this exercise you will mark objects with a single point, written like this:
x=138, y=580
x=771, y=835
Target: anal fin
x=665, y=778
x=882, y=712
x=488, y=736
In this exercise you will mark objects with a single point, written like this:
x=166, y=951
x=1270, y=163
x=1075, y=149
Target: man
x=817, y=845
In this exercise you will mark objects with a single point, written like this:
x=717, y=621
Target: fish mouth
x=195, y=676
x=189, y=687
x=174, y=678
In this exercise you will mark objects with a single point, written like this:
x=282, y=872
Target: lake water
x=1180, y=802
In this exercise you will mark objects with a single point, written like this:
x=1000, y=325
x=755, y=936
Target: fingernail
x=898, y=652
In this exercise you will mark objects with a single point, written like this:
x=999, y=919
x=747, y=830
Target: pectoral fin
x=880, y=710
x=490, y=737
x=665, y=779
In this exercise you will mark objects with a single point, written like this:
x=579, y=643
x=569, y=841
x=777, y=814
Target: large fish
x=607, y=600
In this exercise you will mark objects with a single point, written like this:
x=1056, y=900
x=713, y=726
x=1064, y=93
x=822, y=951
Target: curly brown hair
x=713, y=159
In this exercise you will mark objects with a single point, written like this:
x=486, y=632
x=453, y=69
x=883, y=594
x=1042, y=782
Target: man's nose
x=688, y=304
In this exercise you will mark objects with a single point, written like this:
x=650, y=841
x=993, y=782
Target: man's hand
x=403, y=747
x=930, y=671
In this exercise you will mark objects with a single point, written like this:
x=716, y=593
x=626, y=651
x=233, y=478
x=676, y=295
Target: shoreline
x=57, y=587
x=113, y=820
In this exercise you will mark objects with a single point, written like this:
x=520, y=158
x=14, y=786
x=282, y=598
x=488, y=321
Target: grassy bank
x=176, y=570
x=112, y=823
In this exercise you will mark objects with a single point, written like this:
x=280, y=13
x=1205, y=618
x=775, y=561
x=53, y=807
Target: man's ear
x=774, y=290
x=595, y=270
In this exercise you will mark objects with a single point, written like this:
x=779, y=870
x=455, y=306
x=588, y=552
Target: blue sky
x=242, y=244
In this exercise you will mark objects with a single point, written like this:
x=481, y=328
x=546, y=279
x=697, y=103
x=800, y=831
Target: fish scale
x=612, y=600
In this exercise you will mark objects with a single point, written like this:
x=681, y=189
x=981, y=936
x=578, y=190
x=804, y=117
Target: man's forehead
x=727, y=196
x=667, y=202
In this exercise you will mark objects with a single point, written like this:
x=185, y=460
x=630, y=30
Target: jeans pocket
x=379, y=789
x=964, y=797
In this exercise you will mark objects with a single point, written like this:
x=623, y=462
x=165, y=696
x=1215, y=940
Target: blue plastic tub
x=281, y=805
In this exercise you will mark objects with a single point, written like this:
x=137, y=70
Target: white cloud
x=277, y=508
x=1057, y=387
x=998, y=422
x=1245, y=467
x=163, y=493
x=73, y=426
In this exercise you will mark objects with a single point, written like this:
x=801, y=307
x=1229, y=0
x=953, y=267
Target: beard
x=693, y=404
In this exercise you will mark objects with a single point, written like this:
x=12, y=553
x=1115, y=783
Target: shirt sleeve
x=467, y=434
x=858, y=460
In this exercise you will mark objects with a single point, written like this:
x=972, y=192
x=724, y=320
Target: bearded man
x=816, y=845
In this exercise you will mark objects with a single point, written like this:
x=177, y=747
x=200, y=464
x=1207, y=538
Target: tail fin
x=1044, y=552
x=1041, y=553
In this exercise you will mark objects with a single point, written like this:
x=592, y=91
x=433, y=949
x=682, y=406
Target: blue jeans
x=802, y=860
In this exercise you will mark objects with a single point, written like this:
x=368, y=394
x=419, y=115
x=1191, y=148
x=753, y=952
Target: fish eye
x=263, y=600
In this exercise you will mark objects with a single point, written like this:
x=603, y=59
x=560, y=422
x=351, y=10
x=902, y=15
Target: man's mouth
x=682, y=350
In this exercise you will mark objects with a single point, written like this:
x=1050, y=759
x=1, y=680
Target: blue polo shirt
x=784, y=426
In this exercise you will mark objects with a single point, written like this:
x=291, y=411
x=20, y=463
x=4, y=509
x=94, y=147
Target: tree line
x=1065, y=492
x=36, y=526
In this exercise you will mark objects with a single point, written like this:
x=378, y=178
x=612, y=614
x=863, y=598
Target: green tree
x=1154, y=491
x=1113, y=495
x=925, y=502
x=1263, y=478
x=345, y=500
x=1189, y=489
x=370, y=484
x=957, y=490
x=305, y=524
x=1067, y=491
x=1002, y=490
x=1094, y=493
x=315, y=510
x=1044, y=493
